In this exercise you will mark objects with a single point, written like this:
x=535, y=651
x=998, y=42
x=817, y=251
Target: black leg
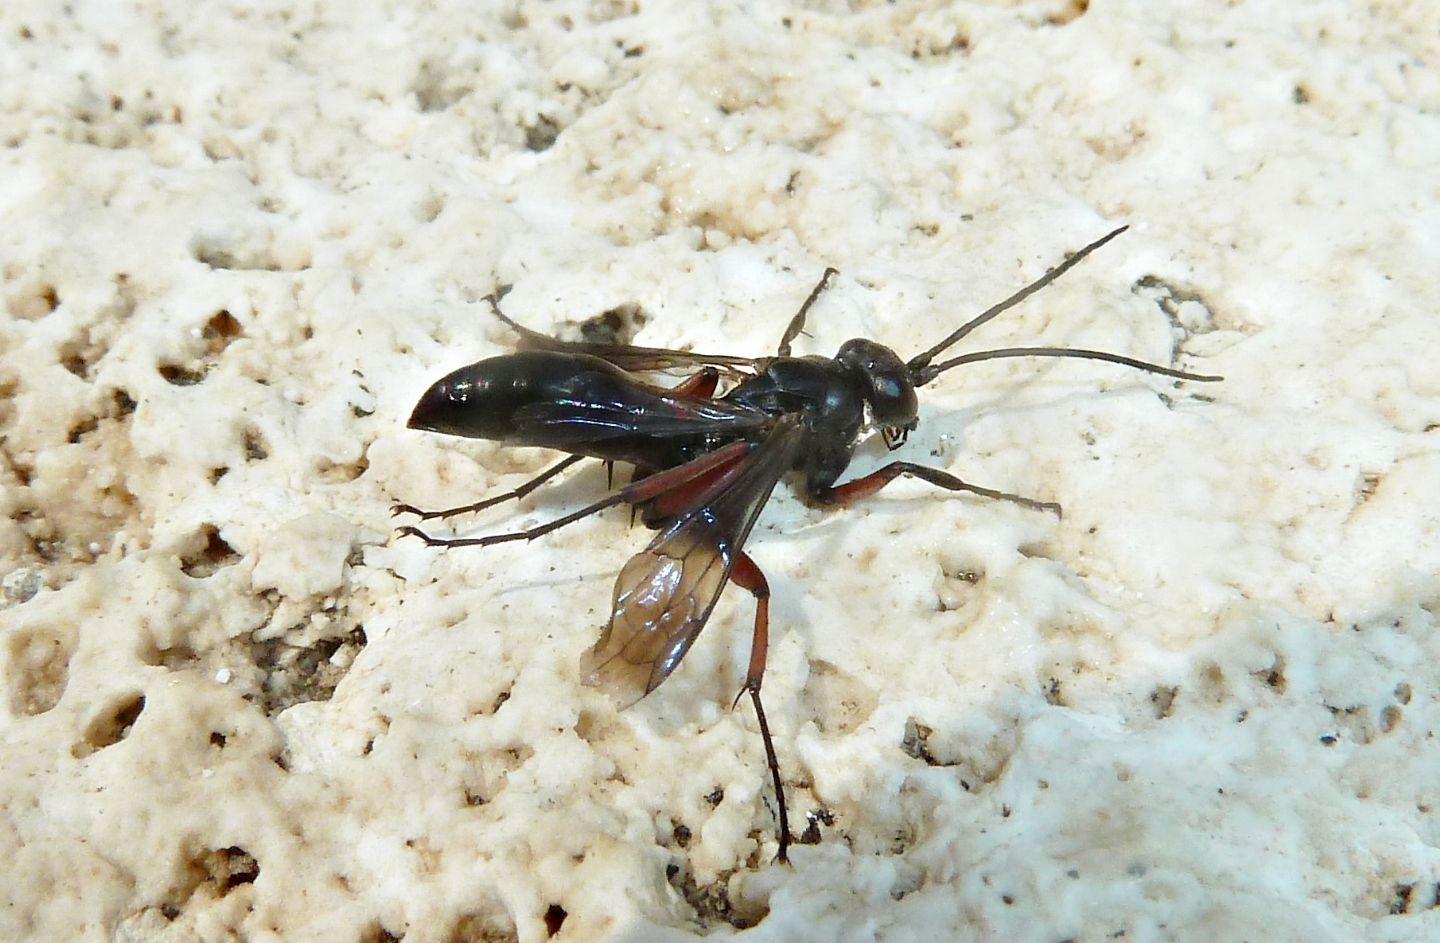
x=518, y=493
x=636, y=492
x=797, y=323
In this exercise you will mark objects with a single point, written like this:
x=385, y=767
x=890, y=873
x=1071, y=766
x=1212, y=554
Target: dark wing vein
x=665, y=593
x=627, y=357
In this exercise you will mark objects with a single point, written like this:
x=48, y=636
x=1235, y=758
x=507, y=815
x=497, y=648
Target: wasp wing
x=652, y=414
x=664, y=594
x=627, y=357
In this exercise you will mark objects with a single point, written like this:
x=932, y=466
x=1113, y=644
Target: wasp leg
x=634, y=493
x=518, y=493
x=853, y=491
x=747, y=576
x=797, y=323
x=701, y=384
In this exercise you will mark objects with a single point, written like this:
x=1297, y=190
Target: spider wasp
x=706, y=464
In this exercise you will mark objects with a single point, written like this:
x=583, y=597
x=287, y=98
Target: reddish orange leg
x=864, y=487
x=636, y=492
x=747, y=576
x=700, y=385
x=681, y=496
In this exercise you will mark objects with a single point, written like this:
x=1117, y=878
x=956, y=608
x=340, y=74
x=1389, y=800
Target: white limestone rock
x=237, y=242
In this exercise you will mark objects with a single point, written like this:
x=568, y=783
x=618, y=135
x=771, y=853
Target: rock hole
x=38, y=670
x=541, y=135
x=916, y=742
x=711, y=902
x=1212, y=683
x=1067, y=12
x=1036, y=550
x=1163, y=699
x=814, y=819
x=219, y=331
x=1274, y=676
x=1186, y=308
x=81, y=429
x=375, y=933
x=176, y=375
x=122, y=403
x=256, y=254
x=342, y=473
x=554, y=919
x=80, y=354
x=296, y=674
x=212, y=874
x=256, y=449
x=213, y=554
x=111, y=726
x=33, y=301
x=437, y=88
x=490, y=927
x=619, y=325
x=1369, y=484
x=221, y=870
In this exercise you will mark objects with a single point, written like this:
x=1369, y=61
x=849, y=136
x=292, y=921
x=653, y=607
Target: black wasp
x=705, y=464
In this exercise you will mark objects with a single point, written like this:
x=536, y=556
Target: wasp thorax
x=890, y=393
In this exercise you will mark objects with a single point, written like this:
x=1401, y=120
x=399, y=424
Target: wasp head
x=889, y=391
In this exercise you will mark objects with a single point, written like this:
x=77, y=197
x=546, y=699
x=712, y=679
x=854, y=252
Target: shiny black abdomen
x=579, y=404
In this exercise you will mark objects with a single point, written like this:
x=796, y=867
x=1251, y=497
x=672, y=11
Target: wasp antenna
x=930, y=373
x=919, y=365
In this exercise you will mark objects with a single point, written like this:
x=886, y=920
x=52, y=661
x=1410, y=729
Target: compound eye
x=893, y=401
x=894, y=406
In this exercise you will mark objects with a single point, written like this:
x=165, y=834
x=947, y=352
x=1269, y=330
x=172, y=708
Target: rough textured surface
x=238, y=240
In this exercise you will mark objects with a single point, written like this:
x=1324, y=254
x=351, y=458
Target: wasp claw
x=398, y=508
